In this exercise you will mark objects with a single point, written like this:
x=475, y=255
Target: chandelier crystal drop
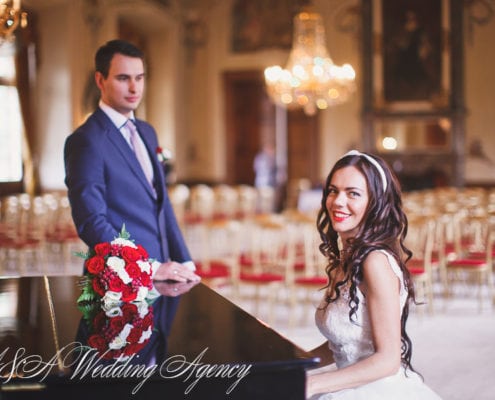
x=310, y=80
x=11, y=16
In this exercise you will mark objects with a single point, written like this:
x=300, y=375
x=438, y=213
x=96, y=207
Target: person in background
x=268, y=180
x=265, y=167
x=113, y=171
x=365, y=307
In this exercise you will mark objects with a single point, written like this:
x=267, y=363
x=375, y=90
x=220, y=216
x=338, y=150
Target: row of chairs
x=451, y=233
x=273, y=258
x=36, y=234
x=203, y=202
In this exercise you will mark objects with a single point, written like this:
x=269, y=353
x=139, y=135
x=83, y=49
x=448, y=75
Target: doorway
x=252, y=120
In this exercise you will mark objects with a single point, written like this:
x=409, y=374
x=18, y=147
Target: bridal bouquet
x=115, y=298
x=117, y=271
x=121, y=331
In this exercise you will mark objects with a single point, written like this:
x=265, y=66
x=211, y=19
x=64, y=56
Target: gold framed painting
x=411, y=55
x=261, y=24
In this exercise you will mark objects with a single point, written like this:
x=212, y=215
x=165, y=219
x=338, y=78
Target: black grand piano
x=204, y=347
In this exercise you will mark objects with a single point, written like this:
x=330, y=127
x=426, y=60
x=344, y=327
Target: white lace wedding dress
x=351, y=342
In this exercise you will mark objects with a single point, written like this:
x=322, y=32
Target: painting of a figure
x=412, y=44
x=261, y=24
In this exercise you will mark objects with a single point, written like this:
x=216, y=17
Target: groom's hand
x=174, y=271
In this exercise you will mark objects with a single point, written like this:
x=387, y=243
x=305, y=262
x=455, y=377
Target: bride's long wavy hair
x=384, y=226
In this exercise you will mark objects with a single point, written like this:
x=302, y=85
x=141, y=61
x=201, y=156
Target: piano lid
x=199, y=322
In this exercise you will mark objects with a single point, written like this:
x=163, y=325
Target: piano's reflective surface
x=203, y=346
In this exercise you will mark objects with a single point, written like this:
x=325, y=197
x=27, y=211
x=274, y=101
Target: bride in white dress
x=365, y=308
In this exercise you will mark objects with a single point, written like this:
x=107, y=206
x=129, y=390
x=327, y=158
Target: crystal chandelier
x=310, y=80
x=11, y=17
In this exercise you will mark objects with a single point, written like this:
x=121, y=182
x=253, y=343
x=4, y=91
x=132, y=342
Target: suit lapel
x=148, y=139
x=115, y=136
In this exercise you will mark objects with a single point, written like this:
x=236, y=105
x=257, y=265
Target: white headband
x=372, y=161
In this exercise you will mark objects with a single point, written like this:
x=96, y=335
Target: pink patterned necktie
x=140, y=151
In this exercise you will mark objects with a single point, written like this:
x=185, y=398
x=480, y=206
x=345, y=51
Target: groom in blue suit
x=115, y=178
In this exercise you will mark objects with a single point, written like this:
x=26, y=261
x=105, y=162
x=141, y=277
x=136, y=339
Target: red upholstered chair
x=475, y=266
x=268, y=263
x=201, y=204
x=198, y=212
x=217, y=254
x=420, y=240
x=213, y=271
x=449, y=225
x=312, y=279
x=226, y=200
x=179, y=195
x=22, y=235
x=61, y=238
x=247, y=197
x=467, y=234
x=265, y=200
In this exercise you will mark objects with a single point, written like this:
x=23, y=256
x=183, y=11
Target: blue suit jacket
x=108, y=188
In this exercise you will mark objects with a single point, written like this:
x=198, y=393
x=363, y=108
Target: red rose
x=98, y=342
x=102, y=249
x=142, y=251
x=130, y=254
x=134, y=335
x=99, y=321
x=128, y=294
x=129, y=311
x=133, y=270
x=112, y=354
x=117, y=323
x=132, y=348
x=145, y=279
x=116, y=284
x=99, y=287
x=95, y=265
x=147, y=320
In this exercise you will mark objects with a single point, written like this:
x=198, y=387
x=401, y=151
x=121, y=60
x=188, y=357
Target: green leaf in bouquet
x=83, y=254
x=88, y=293
x=88, y=301
x=124, y=234
x=88, y=311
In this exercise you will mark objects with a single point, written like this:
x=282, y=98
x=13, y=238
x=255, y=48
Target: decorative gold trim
x=53, y=321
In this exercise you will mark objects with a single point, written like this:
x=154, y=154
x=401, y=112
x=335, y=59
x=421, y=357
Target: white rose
x=112, y=309
x=120, y=340
x=145, y=335
x=143, y=308
x=111, y=303
x=115, y=263
x=154, y=267
x=123, y=242
x=122, y=273
x=145, y=266
x=117, y=343
x=141, y=294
